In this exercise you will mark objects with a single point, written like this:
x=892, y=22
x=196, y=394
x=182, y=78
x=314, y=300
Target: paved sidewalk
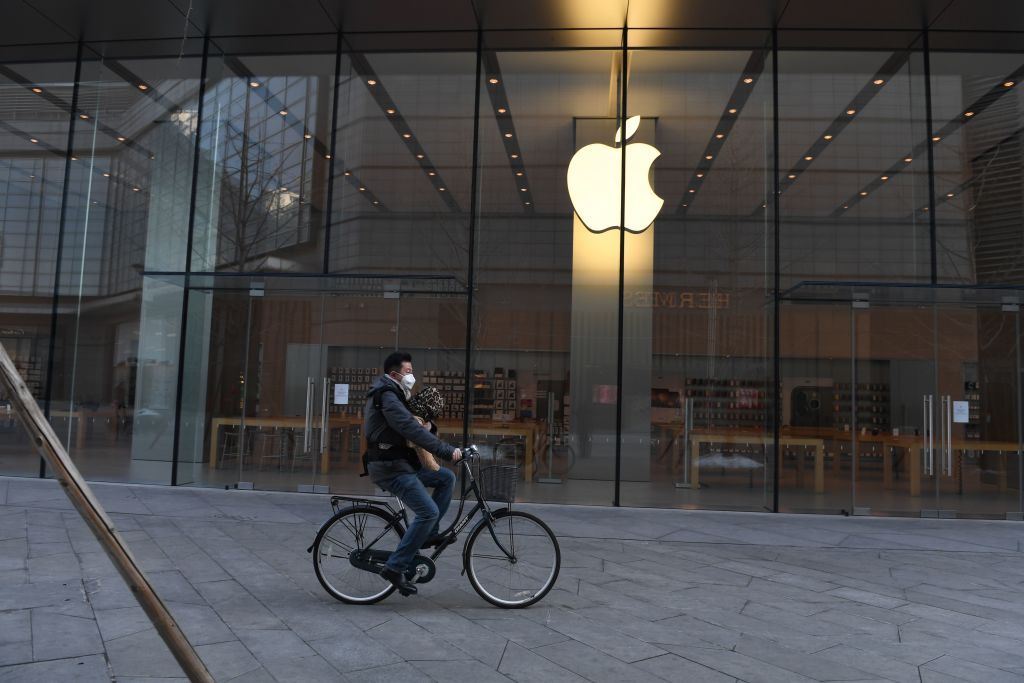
x=644, y=595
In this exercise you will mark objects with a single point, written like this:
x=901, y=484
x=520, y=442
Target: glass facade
x=741, y=271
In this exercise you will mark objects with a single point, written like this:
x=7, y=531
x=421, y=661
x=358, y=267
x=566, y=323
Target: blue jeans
x=411, y=489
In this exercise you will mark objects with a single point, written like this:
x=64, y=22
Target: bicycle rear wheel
x=524, y=574
x=353, y=529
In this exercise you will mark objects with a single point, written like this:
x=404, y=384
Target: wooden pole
x=49, y=447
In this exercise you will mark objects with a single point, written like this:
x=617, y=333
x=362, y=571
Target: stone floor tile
x=89, y=669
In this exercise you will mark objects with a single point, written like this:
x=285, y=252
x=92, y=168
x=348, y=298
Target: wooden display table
x=526, y=430
x=341, y=422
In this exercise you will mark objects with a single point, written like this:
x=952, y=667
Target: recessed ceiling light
x=83, y=116
x=527, y=203
x=514, y=156
x=748, y=80
x=283, y=112
x=828, y=137
x=709, y=157
x=878, y=81
x=863, y=193
x=37, y=90
x=885, y=177
x=1008, y=84
x=692, y=191
x=390, y=111
x=719, y=135
x=327, y=156
x=370, y=81
x=407, y=135
x=33, y=140
x=431, y=173
x=440, y=189
x=907, y=159
x=791, y=176
x=493, y=81
x=502, y=110
x=851, y=112
x=254, y=84
x=307, y=135
x=375, y=202
x=924, y=208
x=845, y=206
x=936, y=138
x=362, y=189
x=732, y=111
x=348, y=173
x=106, y=175
x=508, y=135
x=700, y=175
x=968, y=114
x=143, y=87
x=74, y=158
x=419, y=156
x=522, y=189
x=121, y=138
x=808, y=158
x=135, y=189
x=949, y=194
x=519, y=173
x=32, y=176
x=685, y=205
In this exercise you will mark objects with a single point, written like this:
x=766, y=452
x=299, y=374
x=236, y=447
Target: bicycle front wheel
x=354, y=529
x=517, y=564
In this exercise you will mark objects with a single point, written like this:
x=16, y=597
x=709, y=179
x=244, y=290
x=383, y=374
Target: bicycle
x=512, y=558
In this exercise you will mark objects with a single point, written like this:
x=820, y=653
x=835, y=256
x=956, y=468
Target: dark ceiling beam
x=507, y=128
x=741, y=92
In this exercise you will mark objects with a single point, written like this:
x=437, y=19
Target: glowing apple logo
x=595, y=183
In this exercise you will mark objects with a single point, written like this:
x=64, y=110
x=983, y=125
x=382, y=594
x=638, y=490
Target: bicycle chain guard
x=423, y=568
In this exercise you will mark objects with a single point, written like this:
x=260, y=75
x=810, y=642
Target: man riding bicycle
x=394, y=466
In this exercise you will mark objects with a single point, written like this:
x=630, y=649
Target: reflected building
x=211, y=241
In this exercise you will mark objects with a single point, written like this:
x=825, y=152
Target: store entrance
x=922, y=413
x=277, y=369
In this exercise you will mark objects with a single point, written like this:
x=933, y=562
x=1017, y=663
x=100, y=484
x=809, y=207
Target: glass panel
x=977, y=113
x=34, y=105
x=546, y=292
x=698, y=336
x=853, y=165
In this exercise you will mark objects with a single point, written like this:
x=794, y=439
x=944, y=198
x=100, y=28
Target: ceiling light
x=907, y=159
x=348, y=173
x=431, y=173
x=863, y=193
x=74, y=158
x=514, y=156
x=708, y=157
x=732, y=111
x=748, y=80
x=493, y=81
x=307, y=135
x=949, y=194
x=719, y=135
x=685, y=205
x=106, y=175
x=327, y=156
x=362, y=189
x=851, y=112
x=370, y=81
x=37, y=90
x=440, y=189
x=375, y=202
x=135, y=189
x=845, y=206
x=522, y=189
x=1008, y=84
x=283, y=112
x=419, y=156
x=924, y=208
x=808, y=158
x=33, y=140
x=791, y=176
x=700, y=175
x=692, y=191
x=502, y=110
x=83, y=116
x=519, y=173
x=121, y=138
x=254, y=84
x=828, y=137
x=878, y=81
x=885, y=177
x=143, y=87
x=936, y=138
x=390, y=111
x=968, y=114
x=527, y=203
x=407, y=135
x=508, y=135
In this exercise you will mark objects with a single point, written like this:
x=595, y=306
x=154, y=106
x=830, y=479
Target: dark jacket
x=395, y=414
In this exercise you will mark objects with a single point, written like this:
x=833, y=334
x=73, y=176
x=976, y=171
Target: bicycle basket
x=498, y=483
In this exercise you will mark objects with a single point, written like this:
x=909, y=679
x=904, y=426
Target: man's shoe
x=399, y=581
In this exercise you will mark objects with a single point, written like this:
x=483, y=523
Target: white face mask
x=408, y=381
